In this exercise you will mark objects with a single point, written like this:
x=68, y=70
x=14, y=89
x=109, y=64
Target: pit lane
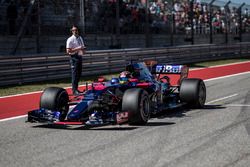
x=217, y=135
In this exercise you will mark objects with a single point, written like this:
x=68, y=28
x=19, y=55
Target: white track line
x=12, y=118
x=227, y=76
x=238, y=105
x=223, y=98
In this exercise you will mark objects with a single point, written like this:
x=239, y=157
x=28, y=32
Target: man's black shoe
x=77, y=93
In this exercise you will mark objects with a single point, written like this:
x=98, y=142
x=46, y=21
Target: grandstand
x=108, y=24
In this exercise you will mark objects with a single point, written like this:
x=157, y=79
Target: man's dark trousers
x=76, y=70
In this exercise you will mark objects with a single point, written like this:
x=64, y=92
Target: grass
x=39, y=86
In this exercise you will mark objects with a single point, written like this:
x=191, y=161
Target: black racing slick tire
x=136, y=102
x=193, y=92
x=55, y=99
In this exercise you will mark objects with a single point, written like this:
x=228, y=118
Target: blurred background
x=42, y=26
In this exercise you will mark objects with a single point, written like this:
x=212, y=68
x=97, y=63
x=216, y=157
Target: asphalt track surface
x=217, y=135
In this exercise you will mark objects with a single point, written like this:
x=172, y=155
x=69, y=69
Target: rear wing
x=176, y=72
x=169, y=69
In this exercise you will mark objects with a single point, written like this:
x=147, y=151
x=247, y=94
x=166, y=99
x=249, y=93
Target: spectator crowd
x=100, y=16
x=133, y=16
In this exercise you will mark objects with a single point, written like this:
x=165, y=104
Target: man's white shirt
x=74, y=42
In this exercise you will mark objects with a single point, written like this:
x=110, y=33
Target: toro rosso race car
x=140, y=92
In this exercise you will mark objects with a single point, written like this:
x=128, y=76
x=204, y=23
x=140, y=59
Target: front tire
x=193, y=92
x=136, y=102
x=55, y=99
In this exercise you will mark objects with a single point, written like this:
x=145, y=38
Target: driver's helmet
x=115, y=81
x=124, y=77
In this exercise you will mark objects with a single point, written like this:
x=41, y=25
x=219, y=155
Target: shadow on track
x=211, y=107
x=159, y=123
x=124, y=127
x=85, y=127
x=103, y=127
x=180, y=112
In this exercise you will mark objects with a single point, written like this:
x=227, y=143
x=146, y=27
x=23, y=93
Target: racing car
x=137, y=94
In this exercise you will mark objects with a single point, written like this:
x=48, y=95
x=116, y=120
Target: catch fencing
x=20, y=69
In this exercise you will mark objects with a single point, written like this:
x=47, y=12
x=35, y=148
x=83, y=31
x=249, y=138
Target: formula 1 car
x=141, y=91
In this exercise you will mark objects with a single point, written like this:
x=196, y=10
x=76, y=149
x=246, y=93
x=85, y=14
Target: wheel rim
x=202, y=94
x=145, y=108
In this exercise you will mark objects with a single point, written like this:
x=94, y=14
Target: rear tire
x=193, y=92
x=55, y=99
x=136, y=102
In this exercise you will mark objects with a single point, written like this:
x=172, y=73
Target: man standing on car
x=75, y=47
